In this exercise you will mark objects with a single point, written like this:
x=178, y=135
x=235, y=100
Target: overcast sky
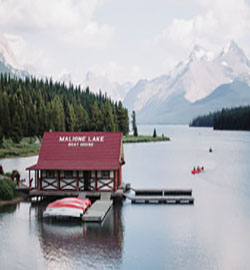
x=125, y=39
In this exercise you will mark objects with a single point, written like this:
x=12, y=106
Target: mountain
x=172, y=98
x=8, y=62
x=101, y=82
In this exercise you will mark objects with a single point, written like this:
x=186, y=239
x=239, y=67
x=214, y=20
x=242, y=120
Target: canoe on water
x=197, y=171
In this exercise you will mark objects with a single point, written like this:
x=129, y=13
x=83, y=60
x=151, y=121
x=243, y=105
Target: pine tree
x=123, y=121
x=57, y=114
x=154, y=134
x=44, y=105
x=134, y=127
x=6, y=118
x=70, y=121
x=1, y=136
x=82, y=119
x=95, y=124
x=108, y=119
x=16, y=130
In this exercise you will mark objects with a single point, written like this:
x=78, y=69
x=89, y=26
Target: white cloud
x=63, y=19
x=46, y=14
x=43, y=32
x=96, y=35
x=117, y=73
x=217, y=23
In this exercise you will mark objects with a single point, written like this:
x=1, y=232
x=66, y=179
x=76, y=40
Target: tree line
x=31, y=106
x=237, y=118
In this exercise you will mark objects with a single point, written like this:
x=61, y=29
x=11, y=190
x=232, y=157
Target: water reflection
x=8, y=208
x=214, y=233
x=75, y=245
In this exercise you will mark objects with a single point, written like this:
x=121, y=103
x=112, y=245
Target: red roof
x=80, y=151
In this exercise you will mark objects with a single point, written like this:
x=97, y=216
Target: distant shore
x=31, y=147
x=143, y=139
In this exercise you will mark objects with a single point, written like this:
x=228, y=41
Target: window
x=105, y=174
x=50, y=174
x=68, y=174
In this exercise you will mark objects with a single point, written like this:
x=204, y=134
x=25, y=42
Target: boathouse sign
x=81, y=141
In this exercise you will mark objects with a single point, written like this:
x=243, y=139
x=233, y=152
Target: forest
x=31, y=106
x=237, y=118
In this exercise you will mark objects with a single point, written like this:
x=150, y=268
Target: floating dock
x=162, y=192
x=161, y=196
x=99, y=209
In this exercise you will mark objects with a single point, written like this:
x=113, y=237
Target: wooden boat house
x=78, y=161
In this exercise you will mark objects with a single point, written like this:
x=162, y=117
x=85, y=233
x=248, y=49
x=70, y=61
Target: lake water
x=214, y=233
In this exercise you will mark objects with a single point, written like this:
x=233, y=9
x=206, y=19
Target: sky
x=124, y=40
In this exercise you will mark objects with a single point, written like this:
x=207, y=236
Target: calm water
x=214, y=233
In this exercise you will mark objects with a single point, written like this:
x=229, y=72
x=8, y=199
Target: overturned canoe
x=67, y=207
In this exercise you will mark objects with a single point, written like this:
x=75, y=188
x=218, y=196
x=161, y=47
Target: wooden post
x=58, y=180
x=115, y=180
x=38, y=181
x=36, y=177
x=77, y=181
x=96, y=180
x=120, y=175
x=29, y=182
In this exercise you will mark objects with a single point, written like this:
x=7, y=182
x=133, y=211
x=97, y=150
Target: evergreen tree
x=134, y=127
x=57, y=114
x=5, y=112
x=108, y=119
x=70, y=121
x=16, y=130
x=32, y=120
x=46, y=105
x=123, y=121
x=82, y=119
x=1, y=136
x=154, y=134
x=95, y=123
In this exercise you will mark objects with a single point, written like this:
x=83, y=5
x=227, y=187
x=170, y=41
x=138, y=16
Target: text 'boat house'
x=78, y=161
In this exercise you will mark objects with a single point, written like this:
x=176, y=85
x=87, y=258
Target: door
x=87, y=177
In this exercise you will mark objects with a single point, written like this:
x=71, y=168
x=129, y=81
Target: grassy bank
x=29, y=146
x=143, y=138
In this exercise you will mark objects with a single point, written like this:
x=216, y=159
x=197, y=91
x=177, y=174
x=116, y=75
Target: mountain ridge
x=192, y=80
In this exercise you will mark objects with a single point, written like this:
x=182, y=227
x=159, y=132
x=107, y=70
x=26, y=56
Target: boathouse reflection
x=83, y=244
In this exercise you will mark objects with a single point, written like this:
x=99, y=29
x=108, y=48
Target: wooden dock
x=161, y=196
x=99, y=209
x=162, y=192
x=71, y=193
x=162, y=200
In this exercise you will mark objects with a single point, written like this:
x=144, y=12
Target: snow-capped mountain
x=102, y=83
x=8, y=62
x=162, y=99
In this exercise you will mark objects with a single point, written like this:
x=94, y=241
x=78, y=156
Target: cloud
x=53, y=35
x=115, y=72
x=63, y=19
x=217, y=23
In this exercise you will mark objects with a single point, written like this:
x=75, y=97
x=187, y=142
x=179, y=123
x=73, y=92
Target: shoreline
x=33, y=149
x=13, y=201
x=144, y=139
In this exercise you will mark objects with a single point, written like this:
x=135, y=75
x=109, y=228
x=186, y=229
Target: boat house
x=78, y=161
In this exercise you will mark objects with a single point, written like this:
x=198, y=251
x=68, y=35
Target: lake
x=214, y=233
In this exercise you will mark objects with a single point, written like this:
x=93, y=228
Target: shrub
x=7, y=189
